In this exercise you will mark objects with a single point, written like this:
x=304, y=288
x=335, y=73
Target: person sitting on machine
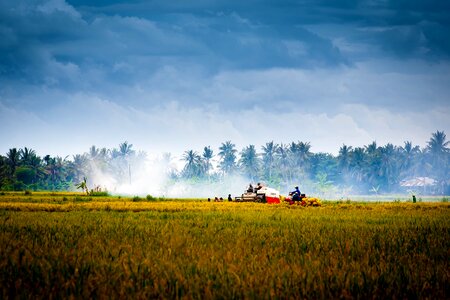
x=296, y=194
x=258, y=187
x=250, y=188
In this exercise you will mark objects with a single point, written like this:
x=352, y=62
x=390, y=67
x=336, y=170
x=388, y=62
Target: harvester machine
x=263, y=195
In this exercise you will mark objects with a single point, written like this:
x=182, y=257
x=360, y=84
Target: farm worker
x=229, y=197
x=296, y=194
x=258, y=186
x=250, y=188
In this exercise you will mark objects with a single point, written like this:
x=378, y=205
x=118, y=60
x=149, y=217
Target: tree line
x=23, y=169
x=368, y=169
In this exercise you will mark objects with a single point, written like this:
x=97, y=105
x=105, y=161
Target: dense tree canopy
x=368, y=169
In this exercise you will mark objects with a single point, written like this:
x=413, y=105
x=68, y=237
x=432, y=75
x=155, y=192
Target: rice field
x=66, y=245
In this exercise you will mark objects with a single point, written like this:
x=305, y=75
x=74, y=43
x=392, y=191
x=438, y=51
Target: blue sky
x=169, y=76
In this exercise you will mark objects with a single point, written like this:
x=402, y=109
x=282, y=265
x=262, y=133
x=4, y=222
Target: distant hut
x=418, y=182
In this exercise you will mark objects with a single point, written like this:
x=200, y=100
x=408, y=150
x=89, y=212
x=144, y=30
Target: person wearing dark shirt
x=296, y=194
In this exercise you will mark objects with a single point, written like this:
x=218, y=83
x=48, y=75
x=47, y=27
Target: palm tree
x=344, y=160
x=389, y=168
x=4, y=171
x=409, y=160
x=283, y=163
x=78, y=166
x=437, y=145
x=83, y=185
x=122, y=160
x=94, y=152
x=439, y=157
x=57, y=168
x=207, y=156
x=193, y=166
x=371, y=149
x=13, y=158
x=47, y=159
x=35, y=164
x=344, y=157
x=357, y=164
x=373, y=164
x=103, y=153
x=125, y=149
x=324, y=163
x=26, y=155
x=167, y=163
x=101, y=158
x=268, y=156
x=293, y=150
x=303, y=156
x=227, y=154
x=31, y=162
x=249, y=162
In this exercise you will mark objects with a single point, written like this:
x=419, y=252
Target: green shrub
x=151, y=198
x=27, y=192
x=136, y=199
x=99, y=194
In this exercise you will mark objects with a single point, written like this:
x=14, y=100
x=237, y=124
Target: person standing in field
x=229, y=198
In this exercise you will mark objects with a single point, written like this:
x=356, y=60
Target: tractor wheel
x=261, y=199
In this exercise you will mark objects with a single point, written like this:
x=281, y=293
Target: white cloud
x=52, y=6
x=385, y=126
x=84, y=120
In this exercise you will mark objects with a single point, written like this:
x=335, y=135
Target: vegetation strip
x=196, y=249
x=370, y=169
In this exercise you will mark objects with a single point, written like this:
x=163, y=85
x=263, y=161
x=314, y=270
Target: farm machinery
x=261, y=195
x=302, y=200
x=269, y=195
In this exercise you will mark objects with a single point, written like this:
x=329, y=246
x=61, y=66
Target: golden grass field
x=64, y=245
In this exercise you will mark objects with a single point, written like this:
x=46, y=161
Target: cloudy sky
x=169, y=76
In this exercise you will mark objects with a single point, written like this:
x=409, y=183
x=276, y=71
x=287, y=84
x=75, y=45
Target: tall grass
x=192, y=249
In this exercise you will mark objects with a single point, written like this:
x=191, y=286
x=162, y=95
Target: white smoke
x=142, y=177
x=233, y=184
x=145, y=176
x=152, y=177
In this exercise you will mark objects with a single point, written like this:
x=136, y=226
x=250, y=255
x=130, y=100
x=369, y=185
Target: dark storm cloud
x=118, y=65
x=53, y=43
x=171, y=50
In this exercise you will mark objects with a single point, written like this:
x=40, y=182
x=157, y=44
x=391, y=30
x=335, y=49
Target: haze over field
x=177, y=75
